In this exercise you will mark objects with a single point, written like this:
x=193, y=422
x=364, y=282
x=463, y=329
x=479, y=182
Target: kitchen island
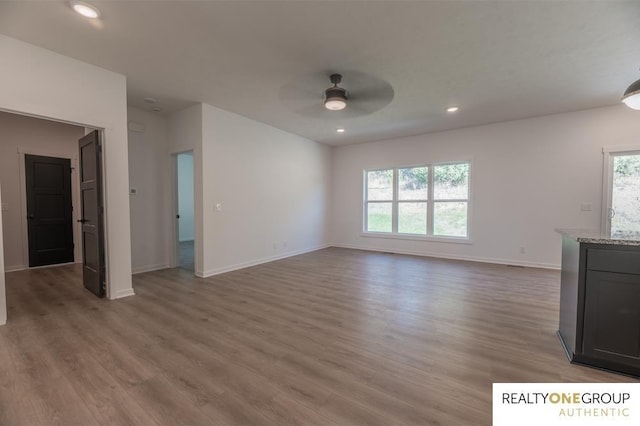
x=600, y=301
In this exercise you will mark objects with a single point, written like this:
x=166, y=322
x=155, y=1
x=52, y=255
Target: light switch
x=5, y=207
x=586, y=207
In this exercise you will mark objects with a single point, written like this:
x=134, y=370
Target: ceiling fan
x=353, y=94
x=335, y=98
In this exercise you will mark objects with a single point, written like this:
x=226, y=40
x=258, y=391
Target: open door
x=93, y=267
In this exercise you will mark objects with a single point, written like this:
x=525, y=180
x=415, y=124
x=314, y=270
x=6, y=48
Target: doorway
x=49, y=210
x=622, y=186
x=44, y=205
x=185, y=211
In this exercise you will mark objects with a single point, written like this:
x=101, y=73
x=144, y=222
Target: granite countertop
x=596, y=237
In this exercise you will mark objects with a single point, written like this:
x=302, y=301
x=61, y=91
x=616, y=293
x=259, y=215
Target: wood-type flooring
x=333, y=337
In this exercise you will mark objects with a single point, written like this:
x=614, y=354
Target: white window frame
x=395, y=202
x=609, y=153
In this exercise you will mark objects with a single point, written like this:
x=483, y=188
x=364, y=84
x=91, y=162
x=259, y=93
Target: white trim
x=15, y=268
x=414, y=237
x=123, y=293
x=174, y=232
x=3, y=293
x=620, y=148
x=439, y=255
x=149, y=268
x=224, y=269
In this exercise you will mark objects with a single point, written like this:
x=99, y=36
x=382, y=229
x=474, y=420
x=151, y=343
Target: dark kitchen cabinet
x=600, y=304
x=612, y=318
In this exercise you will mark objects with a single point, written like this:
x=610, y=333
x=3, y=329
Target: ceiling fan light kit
x=335, y=98
x=631, y=97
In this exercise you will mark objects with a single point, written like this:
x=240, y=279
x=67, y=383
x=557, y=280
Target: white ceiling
x=497, y=60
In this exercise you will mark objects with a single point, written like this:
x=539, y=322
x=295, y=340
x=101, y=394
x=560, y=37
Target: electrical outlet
x=586, y=207
x=5, y=207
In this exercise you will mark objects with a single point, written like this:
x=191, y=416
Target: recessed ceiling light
x=453, y=109
x=340, y=130
x=85, y=9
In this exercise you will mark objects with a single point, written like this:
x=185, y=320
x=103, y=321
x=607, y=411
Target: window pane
x=379, y=217
x=412, y=218
x=380, y=185
x=451, y=182
x=412, y=183
x=625, y=199
x=450, y=219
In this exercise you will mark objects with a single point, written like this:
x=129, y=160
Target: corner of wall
x=3, y=295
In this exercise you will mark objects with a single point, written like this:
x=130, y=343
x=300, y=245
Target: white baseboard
x=222, y=270
x=142, y=269
x=455, y=257
x=122, y=293
x=15, y=268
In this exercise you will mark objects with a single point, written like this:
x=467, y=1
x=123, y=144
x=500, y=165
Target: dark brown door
x=93, y=272
x=49, y=210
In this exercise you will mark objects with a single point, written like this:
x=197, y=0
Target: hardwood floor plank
x=166, y=404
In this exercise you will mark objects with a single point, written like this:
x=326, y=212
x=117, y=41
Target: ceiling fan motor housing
x=335, y=92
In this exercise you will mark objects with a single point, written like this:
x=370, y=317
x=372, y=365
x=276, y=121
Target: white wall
x=528, y=177
x=185, y=196
x=20, y=135
x=273, y=187
x=150, y=176
x=42, y=83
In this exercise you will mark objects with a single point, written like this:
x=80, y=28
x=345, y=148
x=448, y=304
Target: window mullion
x=365, y=213
x=430, y=200
x=394, y=203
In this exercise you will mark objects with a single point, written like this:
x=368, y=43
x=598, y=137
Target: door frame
x=75, y=202
x=175, y=232
x=608, y=153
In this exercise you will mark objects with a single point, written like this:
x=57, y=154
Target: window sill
x=429, y=238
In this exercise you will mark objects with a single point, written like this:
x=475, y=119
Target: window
x=428, y=200
x=622, y=186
